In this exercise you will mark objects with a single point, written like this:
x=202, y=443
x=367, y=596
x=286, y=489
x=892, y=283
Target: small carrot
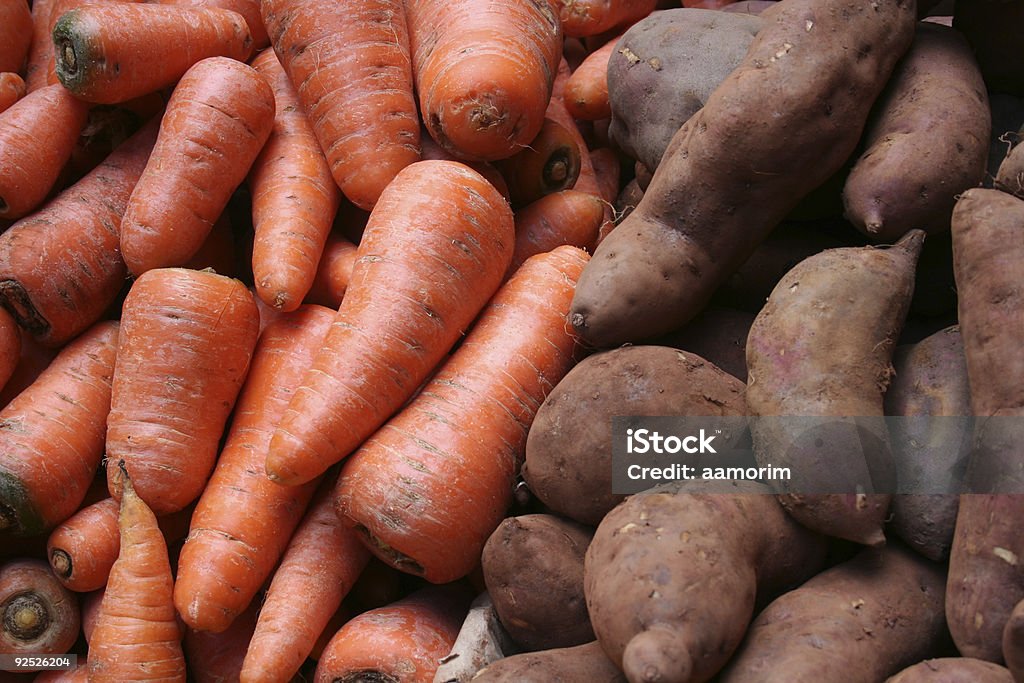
x=61, y=267
x=607, y=172
x=484, y=70
x=435, y=249
x=243, y=520
x=586, y=91
x=551, y=162
x=83, y=548
x=404, y=641
x=333, y=273
x=136, y=636
x=38, y=616
x=581, y=18
x=110, y=53
x=32, y=360
x=217, y=657
x=10, y=346
x=566, y=217
x=294, y=197
x=249, y=9
x=51, y=434
x=322, y=562
x=37, y=134
x=12, y=89
x=15, y=34
x=217, y=120
x=426, y=491
x=350, y=66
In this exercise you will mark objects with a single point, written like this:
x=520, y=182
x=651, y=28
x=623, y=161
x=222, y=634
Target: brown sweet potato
x=953, y=670
x=1010, y=175
x=563, y=665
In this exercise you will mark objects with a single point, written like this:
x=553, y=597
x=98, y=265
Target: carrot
x=37, y=615
x=10, y=346
x=484, y=70
x=32, y=360
x=430, y=486
x=186, y=340
x=217, y=120
x=61, y=267
x=136, y=636
x=404, y=641
x=82, y=549
x=434, y=151
x=562, y=77
x=243, y=520
x=51, y=435
x=40, y=51
x=91, y=603
x=586, y=91
x=337, y=620
x=249, y=9
x=607, y=171
x=567, y=217
x=12, y=89
x=217, y=657
x=322, y=561
x=550, y=163
x=350, y=66
x=15, y=34
x=435, y=249
x=109, y=53
x=333, y=273
x=581, y=18
x=37, y=134
x=294, y=198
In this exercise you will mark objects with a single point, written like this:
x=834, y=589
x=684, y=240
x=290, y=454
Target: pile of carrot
x=273, y=276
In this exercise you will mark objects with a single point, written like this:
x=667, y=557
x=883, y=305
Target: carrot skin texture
x=243, y=520
x=324, y=558
x=15, y=34
x=40, y=51
x=28, y=169
x=51, y=434
x=428, y=489
x=37, y=615
x=10, y=346
x=12, y=89
x=586, y=91
x=582, y=18
x=249, y=9
x=567, y=217
x=183, y=353
x=116, y=52
x=136, y=636
x=432, y=150
x=84, y=547
x=217, y=120
x=484, y=71
x=294, y=198
x=436, y=247
x=61, y=267
x=333, y=273
x=350, y=65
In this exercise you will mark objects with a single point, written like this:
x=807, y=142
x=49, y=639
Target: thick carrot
x=136, y=636
x=51, y=435
x=484, y=70
x=12, y=89
x=430, y=486
x=32, y=360
x=37, y=614
x=350, y=66
x=323, y=560
x=249, y=9
x=435, y=249
x=218, y=657
x=217, y=120
x=550, y=163
x=567, y=217
x=10, y=346
x=294, y=198
x=586, y=91
x=243, y=520
x=581, y=18
x=109, y=53
x=61, y=267
x=186, y=340
x=15, y=34
x=404, y=641
x=37, y=134
x=333, y=273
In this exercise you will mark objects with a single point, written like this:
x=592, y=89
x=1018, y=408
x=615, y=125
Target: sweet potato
x=781, y=124
x=1010, y=175
x=673, y=576
x=926, y=142
x=562, y=665
x=953, y=670
x=568, y=450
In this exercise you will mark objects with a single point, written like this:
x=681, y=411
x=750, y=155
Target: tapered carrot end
x=290, y=461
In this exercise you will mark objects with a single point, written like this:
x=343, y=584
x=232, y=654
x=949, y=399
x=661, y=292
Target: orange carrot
x=91, y=603
x=551, y=162
x=136, y=636
x=484, y=70
x=428, y=488
x=333, y=273
x=38, y=616
x=404, y=641
x=432, y=150
x=323, y=560
x=607, y=171
x=37, y=134
x=217, y=657
x=243, y=520
x=10, y=346
x=581, y=18
x=435, y=249
x=109, y=53
x=51, y=435
x=32, y=360
x=61, y=267
x=186, y=340
x=561, y=78
x=12, y=89
x=216, y=122
x=294, y=198
x=40, y=51
x=249, y=9
x=350, y=66
x=15, y=34
x=566, y=217
x=586, y=91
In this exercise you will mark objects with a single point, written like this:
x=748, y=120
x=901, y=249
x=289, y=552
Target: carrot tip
x=61, y=563
x=25, y=617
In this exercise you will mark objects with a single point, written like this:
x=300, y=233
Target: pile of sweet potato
x=320, y=323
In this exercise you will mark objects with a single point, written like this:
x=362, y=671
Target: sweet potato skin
x=561, y=665
x=953, y=670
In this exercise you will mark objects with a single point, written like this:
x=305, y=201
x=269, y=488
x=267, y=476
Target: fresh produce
x=953, y=670
x=567, y=217
x=548, y=164
x=561, y=665
x=586, y=91
x=1010, y=175
x=38, y=616
x=12, y=89
x=15, y=34
x=580, y=18
x=217, y=657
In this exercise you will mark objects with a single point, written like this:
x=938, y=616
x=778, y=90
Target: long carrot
x=217, y=120
x=430, y=486
x=10, y=346
x=586, y=91
x=249, y=9
x=37, y=134
x=243, y=520
x=350, y=65
x=61, y=267
x=333, y=273
x=12, y=89
x=404, y=641
x=15, y=34
x=581, y=18
x=294, y=198
x=484, y=71
x=435, y=249
x=185, y=345
x=136, y=637
x=218, y=657
x=37, y=615
x=567, y=217
x=51, y=435
x=109, y=53
x=551, y=162
x=322, y=562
